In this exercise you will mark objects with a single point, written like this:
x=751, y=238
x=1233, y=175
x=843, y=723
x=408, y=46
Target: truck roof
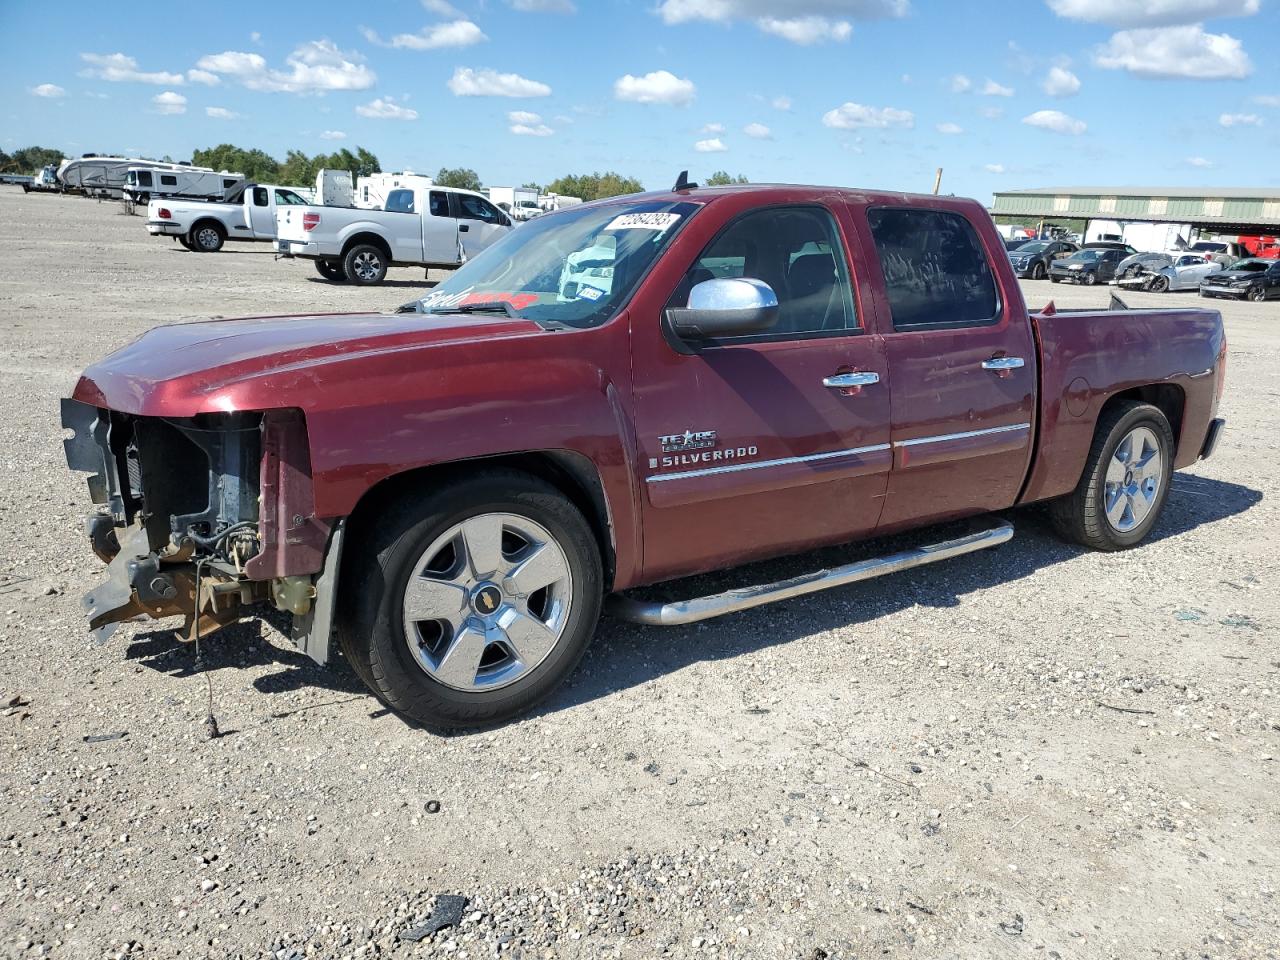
x=801, y=193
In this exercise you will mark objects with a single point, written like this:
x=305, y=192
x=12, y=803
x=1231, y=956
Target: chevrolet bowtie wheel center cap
x=486, y=599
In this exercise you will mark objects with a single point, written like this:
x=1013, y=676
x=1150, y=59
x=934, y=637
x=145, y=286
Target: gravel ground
x=1035, y=751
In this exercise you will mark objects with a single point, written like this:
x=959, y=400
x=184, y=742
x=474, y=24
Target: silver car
x=1184, y=273
x=1134, y=265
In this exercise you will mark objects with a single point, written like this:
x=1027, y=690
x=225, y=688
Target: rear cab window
x=936, y=273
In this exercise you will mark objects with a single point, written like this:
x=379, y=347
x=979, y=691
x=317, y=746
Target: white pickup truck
x=205, y=226
x=436, y=227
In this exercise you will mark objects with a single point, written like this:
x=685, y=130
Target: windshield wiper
x=480, y=306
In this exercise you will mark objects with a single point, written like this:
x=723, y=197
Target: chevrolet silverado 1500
x=617, y=394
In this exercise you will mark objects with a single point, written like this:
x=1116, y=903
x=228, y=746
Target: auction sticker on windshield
x=644, y=221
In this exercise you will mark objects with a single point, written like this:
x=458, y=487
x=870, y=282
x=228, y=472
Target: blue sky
x=874, y=93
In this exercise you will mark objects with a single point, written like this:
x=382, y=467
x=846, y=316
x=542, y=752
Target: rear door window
x=936, y=274
x=439, y=202
x=260, y=197
x=400, y=201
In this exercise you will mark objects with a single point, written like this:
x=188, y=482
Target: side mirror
x=725, y=307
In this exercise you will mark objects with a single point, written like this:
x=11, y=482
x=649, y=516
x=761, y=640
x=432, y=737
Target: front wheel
x=331, y=270
x=1089, y=279
x=1160, y=285
x=1125, y=482
x=475, y=599
x=1038, y=272
x=1258, y=294
x=365, y=264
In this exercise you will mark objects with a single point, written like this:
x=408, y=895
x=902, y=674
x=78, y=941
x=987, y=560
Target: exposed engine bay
x=179, y=521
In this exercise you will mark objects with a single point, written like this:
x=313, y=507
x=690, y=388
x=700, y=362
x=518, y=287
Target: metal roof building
x=1243, y=209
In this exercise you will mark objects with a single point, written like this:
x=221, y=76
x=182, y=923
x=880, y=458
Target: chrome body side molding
x=703, y=608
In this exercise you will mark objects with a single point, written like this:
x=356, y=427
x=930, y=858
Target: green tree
x=298, y=168
x=256, y=165
x=531, y=186
x=595, y=186
x=721, y=178
x=462, y=178
x=30, y=159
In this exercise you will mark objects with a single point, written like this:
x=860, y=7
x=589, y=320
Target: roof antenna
x=682, y=182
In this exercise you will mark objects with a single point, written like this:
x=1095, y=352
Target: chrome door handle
x=1003, y=363
x=846, y=381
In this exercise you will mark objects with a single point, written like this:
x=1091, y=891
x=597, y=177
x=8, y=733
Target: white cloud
x=205, y=77
x=960, y=83
x=220, y=113
x=1152, y=13
x=543, y=6
x=315, y=66
x=807, y=30
x=441, y=8
x=467, y=82
x=992, y=113
x=1176, y=52
x=1060, y=82
x=386, y=108
x=438, y=36
x=255, y=37
x=853, y=116
x=332, y=135
x=993, y=167
x=993, y=89
x=726, y=11
x=118, y=68
x=758, y=131
x=1199, y=162
x=1267, y=100
x=657, y=87
x=713, y=128
x=1057, y=121
x=1240, y=120
x=714, y=145
x=170, y=102
x=781, y=103
x=50, y=90
x=526, y=124
x=950, y=128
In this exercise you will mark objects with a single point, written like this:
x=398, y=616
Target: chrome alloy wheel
x=487, y=602
x=366, y=265
x=207, y=238
x=1133, y=480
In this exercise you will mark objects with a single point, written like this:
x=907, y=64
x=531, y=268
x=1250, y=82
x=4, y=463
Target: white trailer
x=334, y=189
x=103, y=177
x=557, y=201
x=520, y=202
x=372, y=190
x=142, y=184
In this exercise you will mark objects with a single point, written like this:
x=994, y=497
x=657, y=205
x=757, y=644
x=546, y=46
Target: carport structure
x=1238, y=210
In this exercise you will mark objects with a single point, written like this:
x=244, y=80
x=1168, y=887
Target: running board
x=704, y=608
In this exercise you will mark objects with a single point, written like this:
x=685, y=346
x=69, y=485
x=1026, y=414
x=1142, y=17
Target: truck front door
x=963, y=365
x=480, y=223
x=751, y=445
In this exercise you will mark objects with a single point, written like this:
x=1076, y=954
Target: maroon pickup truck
x=625, y=392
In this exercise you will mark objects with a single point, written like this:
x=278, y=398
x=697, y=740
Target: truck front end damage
x=200, y=517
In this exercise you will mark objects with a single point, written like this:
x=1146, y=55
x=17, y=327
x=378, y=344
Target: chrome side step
x=704, y=608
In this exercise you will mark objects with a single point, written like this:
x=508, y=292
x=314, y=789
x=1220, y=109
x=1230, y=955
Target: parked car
x=1110, y=245
x=1090, y=265
x=1013, y=243
x=1184, y=273
x=452, y=492
x=1034, y=258
x=1255, y=279
x=1225, y=252
x=1134, y=264
x=204, y=226
x=359, y=245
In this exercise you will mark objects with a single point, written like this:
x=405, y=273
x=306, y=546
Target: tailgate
x=289, y=224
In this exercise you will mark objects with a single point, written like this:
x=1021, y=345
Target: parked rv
x=372, y=190
x=104, y=177
x=334, y=189
x=204, y=226
x=141, y=184
x=359, y=245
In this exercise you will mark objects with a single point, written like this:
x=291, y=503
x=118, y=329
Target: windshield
x=1035, y=246
x=1086, y=255
x=1253, y=266
x=575, y=268
x=1207, y=247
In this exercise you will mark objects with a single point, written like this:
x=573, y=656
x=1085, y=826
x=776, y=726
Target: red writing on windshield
x=517, y=300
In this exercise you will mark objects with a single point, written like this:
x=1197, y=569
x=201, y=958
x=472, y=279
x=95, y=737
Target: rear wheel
x=474, y=600
x=330, y=270
x=1125, y=481
x=207, y=237
x=365, y=264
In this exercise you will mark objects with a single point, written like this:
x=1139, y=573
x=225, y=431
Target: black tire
x=207, y=237
x=372, y=628
x=1038, y=271
x=365, y=265
x=1081, y=515
x=1090, y=278
x=1160, y=285
x=1258, y=294
x=331, y=270
x=1053, y=279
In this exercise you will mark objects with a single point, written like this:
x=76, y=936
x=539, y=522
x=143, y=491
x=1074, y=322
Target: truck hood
x=253, y=363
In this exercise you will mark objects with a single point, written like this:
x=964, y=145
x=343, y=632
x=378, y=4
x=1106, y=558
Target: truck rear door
x=439, y=229
x=962, y=362
x=262, y=213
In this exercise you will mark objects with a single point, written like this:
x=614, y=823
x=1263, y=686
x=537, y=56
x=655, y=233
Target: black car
x=1091, y=265
x=1033, y=259
x=1255, y=279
